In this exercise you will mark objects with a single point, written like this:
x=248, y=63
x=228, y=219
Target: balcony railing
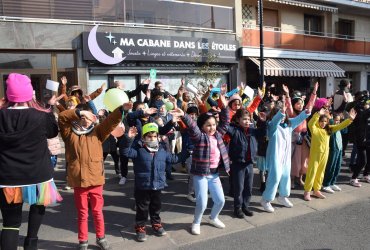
x=136, y=13
x=274, y=38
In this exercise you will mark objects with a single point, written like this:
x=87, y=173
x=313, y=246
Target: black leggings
x=12, y=220
x=115, y=159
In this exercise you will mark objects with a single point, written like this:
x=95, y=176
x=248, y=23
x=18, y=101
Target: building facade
x=307, y=41
x=94, y=41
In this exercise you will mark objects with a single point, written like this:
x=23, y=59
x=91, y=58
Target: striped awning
x=307, y=5
x=299, y=68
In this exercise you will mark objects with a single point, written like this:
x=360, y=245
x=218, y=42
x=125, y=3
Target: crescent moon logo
x=96, y=51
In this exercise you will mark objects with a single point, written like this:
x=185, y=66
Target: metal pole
x=260, y=14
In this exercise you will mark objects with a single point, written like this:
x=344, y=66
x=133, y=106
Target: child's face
x=323, y=122
x=140, y=107
x=298, y=105
x=336, y=119
x=151, y=137
x=209, y=127
x=162, y=109
x=84, y=122
x=236, y=105
x=244, y=121
x=193, y=116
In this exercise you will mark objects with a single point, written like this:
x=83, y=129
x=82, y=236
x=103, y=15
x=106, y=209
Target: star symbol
x=110, y=37
x=114, y=42
x=144, y=53
x=188, y=54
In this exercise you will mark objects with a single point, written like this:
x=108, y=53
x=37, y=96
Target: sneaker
x=307, y=196
x=284, y=201
x=67, y=187
x=195, y=229
x=82, y=245
x=355, y=183
x=191, y=197
x=366, y=179
x=267, y=206
x=335, y=188
x=216, y=222
x=318, y=194
x=239, y=213
x=140, y=233
x=122, y=181
x=247, y=212
x=158, y=229
x=103, y=243
x=328, y=190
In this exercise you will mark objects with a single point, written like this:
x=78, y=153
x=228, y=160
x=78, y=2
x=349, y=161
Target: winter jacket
x=24, y=153
x=84, y=153
x=201, y=153
x=360, y=128
x=149, y=168
x=239, y=143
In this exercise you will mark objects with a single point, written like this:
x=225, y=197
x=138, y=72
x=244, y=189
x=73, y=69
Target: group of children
x=286, y=139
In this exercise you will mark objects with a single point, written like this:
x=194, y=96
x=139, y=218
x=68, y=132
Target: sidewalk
x=59, y=230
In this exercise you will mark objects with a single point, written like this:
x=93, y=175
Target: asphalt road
x=346, y=227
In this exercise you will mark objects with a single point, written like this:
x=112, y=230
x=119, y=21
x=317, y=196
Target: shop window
x=95, y=82
x=38, y=66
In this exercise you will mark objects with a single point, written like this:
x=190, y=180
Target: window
x=345, y=28
x=313, y=25
x=270, y=18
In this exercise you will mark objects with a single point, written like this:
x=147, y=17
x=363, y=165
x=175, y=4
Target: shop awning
x=299, y=68
x=307, y=5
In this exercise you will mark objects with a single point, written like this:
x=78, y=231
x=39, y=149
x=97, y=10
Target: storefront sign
x=112, y=48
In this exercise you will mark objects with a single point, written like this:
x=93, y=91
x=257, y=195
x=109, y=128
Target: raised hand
x=315, y=88
x=127, y=105
x=150, y=111
x=223, y=100
x=87, y=98
x=352, y=114
x=64, y=80
x=260, y=93
x=146, y=81
x=103, y=85
x=262, y=116
x=132, y=132
x=223, y=89
x=286, y=90
x=177, y=112
x=182, y=82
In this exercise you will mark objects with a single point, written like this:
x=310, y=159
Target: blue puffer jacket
x=149, y=168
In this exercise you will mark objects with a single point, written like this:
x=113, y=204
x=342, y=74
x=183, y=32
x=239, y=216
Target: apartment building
x=96, y=41
x=307, y=41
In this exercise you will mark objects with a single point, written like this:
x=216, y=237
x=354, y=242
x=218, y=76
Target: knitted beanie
x=19, y=88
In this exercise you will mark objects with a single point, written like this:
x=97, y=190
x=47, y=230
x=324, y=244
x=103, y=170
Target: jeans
x=190, y=183
x=201, y=186
x=83, y=197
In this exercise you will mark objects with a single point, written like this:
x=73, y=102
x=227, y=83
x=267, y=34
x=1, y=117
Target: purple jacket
x=201, y=153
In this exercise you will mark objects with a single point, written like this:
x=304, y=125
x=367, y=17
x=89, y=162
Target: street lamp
x=260, y=16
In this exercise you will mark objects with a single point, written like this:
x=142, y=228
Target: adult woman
x=26, y=173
